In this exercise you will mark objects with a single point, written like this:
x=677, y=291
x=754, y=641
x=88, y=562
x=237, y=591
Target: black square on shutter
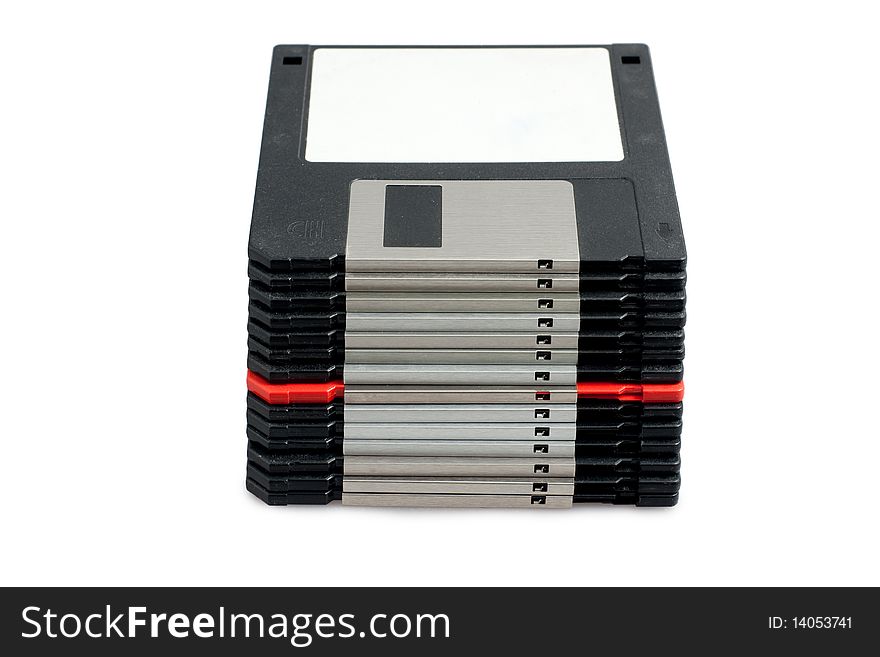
x=413, y=215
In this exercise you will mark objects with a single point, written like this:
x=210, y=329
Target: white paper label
x=462, y=105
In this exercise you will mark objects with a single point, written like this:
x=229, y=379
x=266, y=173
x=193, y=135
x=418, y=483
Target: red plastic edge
x=324, y=393
x=656, y=393
x=294, y=393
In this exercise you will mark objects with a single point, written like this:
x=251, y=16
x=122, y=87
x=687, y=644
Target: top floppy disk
x=410, y=161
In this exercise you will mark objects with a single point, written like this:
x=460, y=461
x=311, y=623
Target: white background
x=129, y=139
